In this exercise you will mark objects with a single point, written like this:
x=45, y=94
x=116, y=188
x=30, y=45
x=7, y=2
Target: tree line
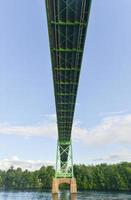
x=115, y=177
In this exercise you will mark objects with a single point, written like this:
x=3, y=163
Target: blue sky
x=102, y=124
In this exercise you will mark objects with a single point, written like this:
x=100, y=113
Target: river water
x=4, y=195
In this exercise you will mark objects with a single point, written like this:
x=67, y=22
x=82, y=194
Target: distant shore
x=102, y=177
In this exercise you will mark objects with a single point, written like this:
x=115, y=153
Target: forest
x=104, y=177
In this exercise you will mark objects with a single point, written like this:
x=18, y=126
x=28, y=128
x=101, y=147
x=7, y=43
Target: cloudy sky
x=102, y=123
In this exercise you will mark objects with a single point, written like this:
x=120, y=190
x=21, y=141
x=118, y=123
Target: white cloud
x=115, y=157
x=120, y=156
x=111, y=130
x=113, y=113
x=31, y=165
x=48, y=130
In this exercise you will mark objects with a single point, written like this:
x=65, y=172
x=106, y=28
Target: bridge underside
x=67, y=25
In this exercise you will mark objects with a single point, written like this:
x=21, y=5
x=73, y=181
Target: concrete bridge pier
x=58, y=181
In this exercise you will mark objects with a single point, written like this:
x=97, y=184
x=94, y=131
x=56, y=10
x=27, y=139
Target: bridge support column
x=58, y=181
x=73, y=186
x=64, y=168
x=55, y=188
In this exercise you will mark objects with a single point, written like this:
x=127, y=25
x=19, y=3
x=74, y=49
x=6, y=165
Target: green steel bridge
x=67, y=26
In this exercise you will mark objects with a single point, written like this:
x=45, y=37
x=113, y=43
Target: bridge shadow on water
x=64, y=196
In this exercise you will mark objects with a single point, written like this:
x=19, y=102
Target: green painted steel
x=64, y=168
x=67, y=25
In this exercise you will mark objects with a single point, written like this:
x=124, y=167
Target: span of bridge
x=67, y=27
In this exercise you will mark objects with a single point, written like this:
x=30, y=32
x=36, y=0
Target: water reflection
x=54, y=196
x=64, y=196
x=73, y=197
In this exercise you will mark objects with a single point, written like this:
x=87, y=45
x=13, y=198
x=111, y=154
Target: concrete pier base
x=58, y=181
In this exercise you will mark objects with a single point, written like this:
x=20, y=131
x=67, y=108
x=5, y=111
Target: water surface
x=4, y=195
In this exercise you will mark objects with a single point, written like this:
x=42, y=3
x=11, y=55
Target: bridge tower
x=67, y=26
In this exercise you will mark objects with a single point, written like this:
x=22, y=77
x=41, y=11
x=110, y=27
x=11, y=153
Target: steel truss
x=64, y=169
x=67, y=26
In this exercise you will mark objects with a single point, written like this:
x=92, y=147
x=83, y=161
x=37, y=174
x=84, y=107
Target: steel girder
x=67, y=25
